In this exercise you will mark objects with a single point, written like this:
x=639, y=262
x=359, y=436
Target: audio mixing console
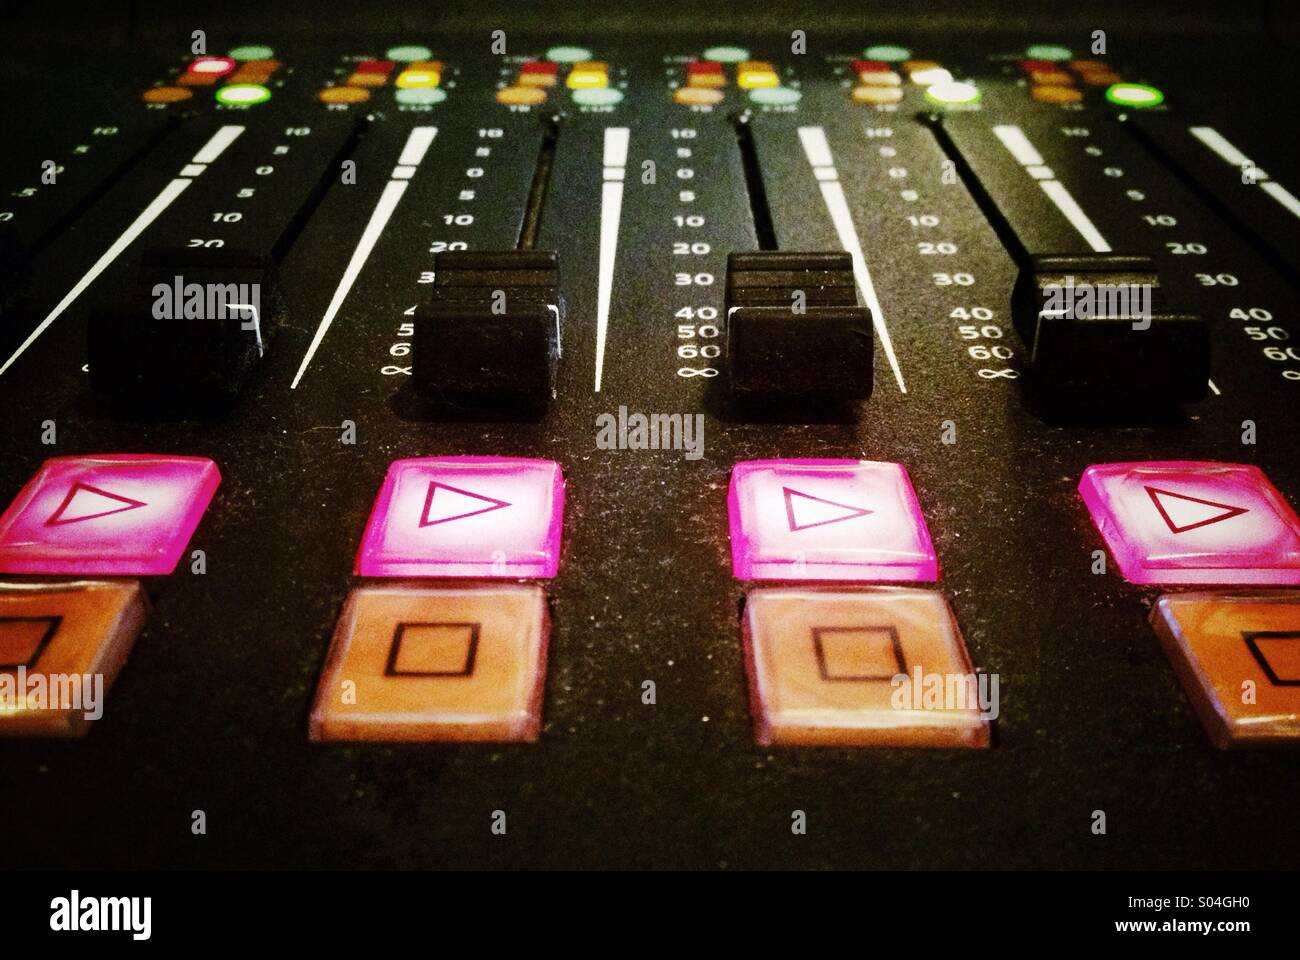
x=836, y=441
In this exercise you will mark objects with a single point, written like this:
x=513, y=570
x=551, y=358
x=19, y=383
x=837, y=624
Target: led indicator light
x=408, y=52
x=598, y=97
x=568, y=54
x=952, y=93
x=252, y=51
x=425, y=96
x=887, y=52
x=243, y=94
x=1048, y=51
x=726, y=54
x=775, y=96
x=1134, y=95
x=212, y=65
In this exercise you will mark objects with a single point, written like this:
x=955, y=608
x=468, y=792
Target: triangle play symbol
x=1182, y=513
x=454, y=504
x=85, y=502
x=803, y=510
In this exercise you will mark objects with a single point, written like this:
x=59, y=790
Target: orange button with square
x=1238, y=656
x=410, y=662
x=872, y=667
x=61, y=647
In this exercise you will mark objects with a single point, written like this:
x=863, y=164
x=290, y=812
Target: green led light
x=243, y=94
x=408, y=52
x=1134, y=95
x=726, y=54
x=887, y=52
x=420, y=95
x=568, y=54
x=252, y=51
x=597, y=97
x=775, y=96
x=952, y=93
x=1048, y=51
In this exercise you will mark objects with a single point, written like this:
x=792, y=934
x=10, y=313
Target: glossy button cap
x=465, y=516
x=61, y=647
x=1193, y=522
x=450, y=663
x=116, y=513
x=827, y=520
x=874, y=667
x=1238, y=656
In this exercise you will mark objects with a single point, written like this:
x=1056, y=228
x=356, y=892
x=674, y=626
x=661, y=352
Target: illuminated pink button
x=465, y=517
x=827, y=520
x=116, y=513
x=212, y=65
x=1188, y=522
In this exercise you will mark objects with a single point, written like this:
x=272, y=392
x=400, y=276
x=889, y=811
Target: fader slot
x=1089, y=303
x=205, y=300
x=47, y=189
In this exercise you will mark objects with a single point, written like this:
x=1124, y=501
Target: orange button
x=166, y=95
x=875, y=667
x=1051, y=78
x=879, y=78
x=344, y=95
x=1089, y=66
x=867, y=94
x=1101, y=78
x=1238, y=656
x=61, y=647
x=410, y=662
x=197, y=79
x=698, y=96
x=521, y=96
x=1056, y=94
x=360, y=79
x=540, y=80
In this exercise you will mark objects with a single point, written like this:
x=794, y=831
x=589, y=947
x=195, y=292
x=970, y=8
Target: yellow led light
x=756, y=73
x=588, y=74
x=587, y=79
x=418, y=78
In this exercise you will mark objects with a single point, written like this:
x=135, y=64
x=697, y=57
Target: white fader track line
x=818, y=151
x=417, y=144
x=1018, y=145
x=208, y=153
x=1227, y=151
x=611, y=210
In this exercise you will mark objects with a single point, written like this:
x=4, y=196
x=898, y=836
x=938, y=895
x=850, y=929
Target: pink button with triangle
x=1182, y=521
x=465, y=517
x=114, y=513
x=827, y=520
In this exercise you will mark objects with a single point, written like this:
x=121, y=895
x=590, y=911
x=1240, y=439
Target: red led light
x=374, y=66
x=215, y=66
x=1030, y=66
x=540, y=66
x=871, y=66
x=704, y=66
